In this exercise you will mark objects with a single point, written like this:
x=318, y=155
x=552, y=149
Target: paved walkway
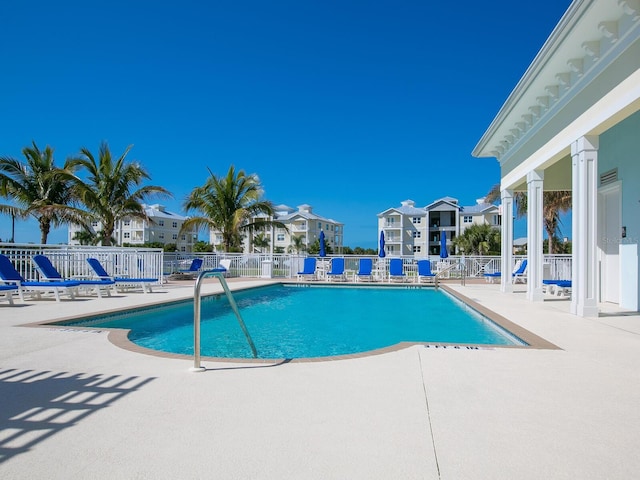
x=74, y=406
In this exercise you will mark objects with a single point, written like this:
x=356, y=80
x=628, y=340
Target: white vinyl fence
x=70, y=260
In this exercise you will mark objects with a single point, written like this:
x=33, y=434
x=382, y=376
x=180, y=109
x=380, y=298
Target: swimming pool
x=319, y=321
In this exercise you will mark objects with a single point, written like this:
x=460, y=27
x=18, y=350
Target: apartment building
x=162, y=226
x=416, y=231
x=301, y=222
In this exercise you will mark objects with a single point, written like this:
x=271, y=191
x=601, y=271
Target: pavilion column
x=535, y=181
x=584, y=259
x=506, y=281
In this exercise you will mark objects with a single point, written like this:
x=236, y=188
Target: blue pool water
x=295, y=322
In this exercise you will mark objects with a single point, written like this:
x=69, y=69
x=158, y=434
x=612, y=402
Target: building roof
x=407, y=207
x=479, y=208
x=304, y=211
x=453, y=202
x=159, y=211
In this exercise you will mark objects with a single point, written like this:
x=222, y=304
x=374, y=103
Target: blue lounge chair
x=557, y=287
x=364, y=269
x=194, y=268
x=337, y=270
x=121, y=282
x=223, y=267
x=396, y=270
x=6, y=291
x=424, y=272
x=519, y=273
x=49, y=273
x=10, y=276
x=308, y=269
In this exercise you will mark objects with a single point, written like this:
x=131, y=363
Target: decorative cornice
x=576, y=65
x=594, y=48
x=553, y=91
x=564, y=78
x=609, y=30
x=631, y=8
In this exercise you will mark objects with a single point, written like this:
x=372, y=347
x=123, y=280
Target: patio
x=76, y=406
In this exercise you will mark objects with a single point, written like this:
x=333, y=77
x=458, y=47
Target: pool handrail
x=197, y=367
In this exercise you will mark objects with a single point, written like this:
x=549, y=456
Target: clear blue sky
x=349, y=106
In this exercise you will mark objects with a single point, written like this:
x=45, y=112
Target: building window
x=496, y=219
x=417, y=234
x=337, y=239
x=417, y=249
x=183, y=249
x=127, y=235
x=416, y=220
x=126, y=222
x=94, y=224
x=280, y=237
x=161, y=223
x=467, y=219
x=320, y=225
x=161, y=236
x=184, y=238
x=175, y=236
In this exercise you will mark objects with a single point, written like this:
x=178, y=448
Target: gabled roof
x=159, y=212
x=480, y=208
x=306, y=216
x=406, y=207
x=452, y=202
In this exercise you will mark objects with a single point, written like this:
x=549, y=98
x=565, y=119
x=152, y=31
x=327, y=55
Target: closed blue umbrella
x=323, y=251
x=381, y=252
x=443, y=244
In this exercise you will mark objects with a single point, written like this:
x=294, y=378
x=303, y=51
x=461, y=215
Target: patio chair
x=6, y=291
x=560, y=288
x=194, y=268
x=223, y=267
x=308, y=269
x=365, y=268
x=10, y=276
x=337, y=270
x=424, y=272
x=520, y=275
x=519, y=269
x=123, y=283
x=396, y=270
x=49, y=273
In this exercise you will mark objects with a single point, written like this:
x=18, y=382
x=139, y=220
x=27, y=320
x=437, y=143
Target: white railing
x=70, y=260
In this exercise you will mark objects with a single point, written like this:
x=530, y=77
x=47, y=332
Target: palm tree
x=231, y=205
x=297, y=244
x=260, y=241
x=37, y=190
x=112, y=189
x=554, y=203
x=478, y=240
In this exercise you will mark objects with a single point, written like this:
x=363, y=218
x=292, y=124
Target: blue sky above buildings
x=350, y=106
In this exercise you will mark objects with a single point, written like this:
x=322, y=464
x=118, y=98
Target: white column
x=584, y=260
x=506, y=281
x=535, y=180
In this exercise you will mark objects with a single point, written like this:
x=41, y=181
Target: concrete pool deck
x=73, y=405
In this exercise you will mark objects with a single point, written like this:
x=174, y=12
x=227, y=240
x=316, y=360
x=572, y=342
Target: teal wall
x=620, y=147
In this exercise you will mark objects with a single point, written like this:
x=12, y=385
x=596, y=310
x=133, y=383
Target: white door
x=610, y=233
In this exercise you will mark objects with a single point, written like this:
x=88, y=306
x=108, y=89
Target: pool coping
x=119, y=337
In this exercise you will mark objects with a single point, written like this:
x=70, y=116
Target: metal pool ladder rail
x=196, y=317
